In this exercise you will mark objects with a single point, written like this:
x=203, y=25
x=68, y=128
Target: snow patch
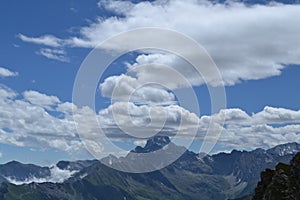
x=83, y=175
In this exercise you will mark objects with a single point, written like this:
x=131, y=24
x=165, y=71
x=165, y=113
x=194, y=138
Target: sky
x=255, y=47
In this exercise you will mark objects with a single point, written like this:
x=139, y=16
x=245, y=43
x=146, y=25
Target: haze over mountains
x=220, y=176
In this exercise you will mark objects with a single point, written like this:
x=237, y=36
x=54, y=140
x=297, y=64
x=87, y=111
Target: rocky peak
x=153, y=144
x=159, y=141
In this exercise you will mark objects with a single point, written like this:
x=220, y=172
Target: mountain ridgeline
x=191, y=177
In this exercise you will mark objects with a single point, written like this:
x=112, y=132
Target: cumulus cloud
x=144, y=121
x=127, y=88
x=54, y=54
x=38, y=120
x=150, y=80
x=265, y=129
x=272, y=115
x=26, y=121
x=7, y=73
x=165, y=69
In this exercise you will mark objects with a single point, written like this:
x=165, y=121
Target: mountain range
x=218, y=177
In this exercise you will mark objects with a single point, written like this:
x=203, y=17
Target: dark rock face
x=283, y=183
x=75, y=165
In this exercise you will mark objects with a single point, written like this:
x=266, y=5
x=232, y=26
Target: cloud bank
x=38, y=120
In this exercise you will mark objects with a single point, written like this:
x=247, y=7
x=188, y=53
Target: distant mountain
x=221, y=176
x=17, y=172
x=22, y=172
x=282, y=183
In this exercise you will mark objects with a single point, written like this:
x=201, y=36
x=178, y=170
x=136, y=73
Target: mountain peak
x=14, y=162
x=153, y=144
x=158, y=141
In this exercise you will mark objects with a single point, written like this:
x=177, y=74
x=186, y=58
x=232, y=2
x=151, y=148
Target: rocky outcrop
x=283, y=183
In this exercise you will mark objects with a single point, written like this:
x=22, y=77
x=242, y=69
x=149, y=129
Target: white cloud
x=28, y=122
x=150, y=79
x=54, y=54
x=66, y=108
x=6, y=92
x=47, y=40
x=145, y=119
x=269, y=115
x=141, y=143
x=120, y=7
x=166, y=69
x=272, y=115
x=7, y=73
x=127, y=88
x=265, y=129
x=39, y=99
x=246, y=42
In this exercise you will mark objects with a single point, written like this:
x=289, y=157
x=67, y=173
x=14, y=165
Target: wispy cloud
x=47, y=40
x=7, y=73
x=54, y=54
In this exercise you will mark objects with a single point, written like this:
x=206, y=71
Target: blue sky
x=45, y=43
